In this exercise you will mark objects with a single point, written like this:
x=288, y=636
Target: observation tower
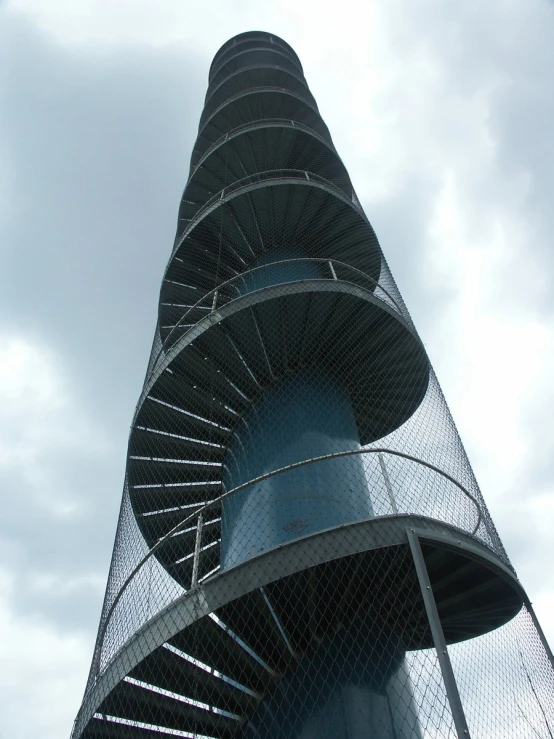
x=303, y=551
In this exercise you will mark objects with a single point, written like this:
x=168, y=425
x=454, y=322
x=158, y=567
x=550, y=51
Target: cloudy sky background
x=443, y=115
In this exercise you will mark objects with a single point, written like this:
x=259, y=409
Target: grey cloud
x=401, y=223
x=97, y=148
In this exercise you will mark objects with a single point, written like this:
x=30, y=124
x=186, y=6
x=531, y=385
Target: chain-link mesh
x=506, y=682
x=289, y=435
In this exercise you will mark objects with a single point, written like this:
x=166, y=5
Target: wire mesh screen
x=292, y=657
x=289, y=439
x=506, y=682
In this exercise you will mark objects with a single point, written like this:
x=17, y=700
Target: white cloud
x=39, y=664
x=41, y=420
x=39, y=416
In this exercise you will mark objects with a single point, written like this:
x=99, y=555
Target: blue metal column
x=302, y=416
x=355, y=687
x=277, y=266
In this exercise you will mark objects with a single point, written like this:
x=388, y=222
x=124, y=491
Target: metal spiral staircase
x=296, y=521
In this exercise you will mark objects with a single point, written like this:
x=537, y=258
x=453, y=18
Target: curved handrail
x=236, y=42
x=216, y=501
x=252, y=126
x=213, y=293
x=270, y=47
x=250, y=91
x=257, y=180
x=221, y=67
x=298, y=77
x=302, y=91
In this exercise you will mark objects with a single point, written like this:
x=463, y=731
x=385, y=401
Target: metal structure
x=303, y=551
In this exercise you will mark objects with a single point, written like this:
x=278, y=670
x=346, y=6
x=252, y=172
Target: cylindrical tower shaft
x=305, y=411
x=303, y=551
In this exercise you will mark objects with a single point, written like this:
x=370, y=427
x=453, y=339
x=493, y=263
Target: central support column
x=356, y=686
x=305, y=415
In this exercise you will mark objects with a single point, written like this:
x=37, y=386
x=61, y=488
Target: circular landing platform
x=206, y=662
x=186, y=418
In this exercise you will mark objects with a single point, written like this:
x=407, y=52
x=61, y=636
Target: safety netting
x=303, y=550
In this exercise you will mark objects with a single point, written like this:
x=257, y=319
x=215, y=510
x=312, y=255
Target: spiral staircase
x=276, y=274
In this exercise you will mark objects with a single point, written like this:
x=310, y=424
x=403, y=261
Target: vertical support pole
x=437, y=633
x=387, y=484
x=197, y=546
x=333, y=273
x=540, y=632
x=214, y=303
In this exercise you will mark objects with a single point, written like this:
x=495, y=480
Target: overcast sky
x=443, y=114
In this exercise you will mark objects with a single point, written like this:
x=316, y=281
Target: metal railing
x=270, y=39
x=205, y=119
x=215, y=101
x=295, y=74
x=226, y=292
x=233, y=52
x=215, y=77
x=414, y=487
x=254, y=125
x=254, y=181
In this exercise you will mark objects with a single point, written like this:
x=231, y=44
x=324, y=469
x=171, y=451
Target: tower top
x=250, y=40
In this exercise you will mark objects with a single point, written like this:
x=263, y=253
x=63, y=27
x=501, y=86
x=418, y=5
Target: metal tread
x=318, y=219
x=257, y=103
x=257, y=638
x=221, y=373
x=265, y=146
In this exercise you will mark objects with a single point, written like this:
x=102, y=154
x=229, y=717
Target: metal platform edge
x=272, y=565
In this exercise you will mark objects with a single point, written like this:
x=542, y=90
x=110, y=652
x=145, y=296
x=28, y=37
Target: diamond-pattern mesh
x=506, y=682
x=289, y=434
